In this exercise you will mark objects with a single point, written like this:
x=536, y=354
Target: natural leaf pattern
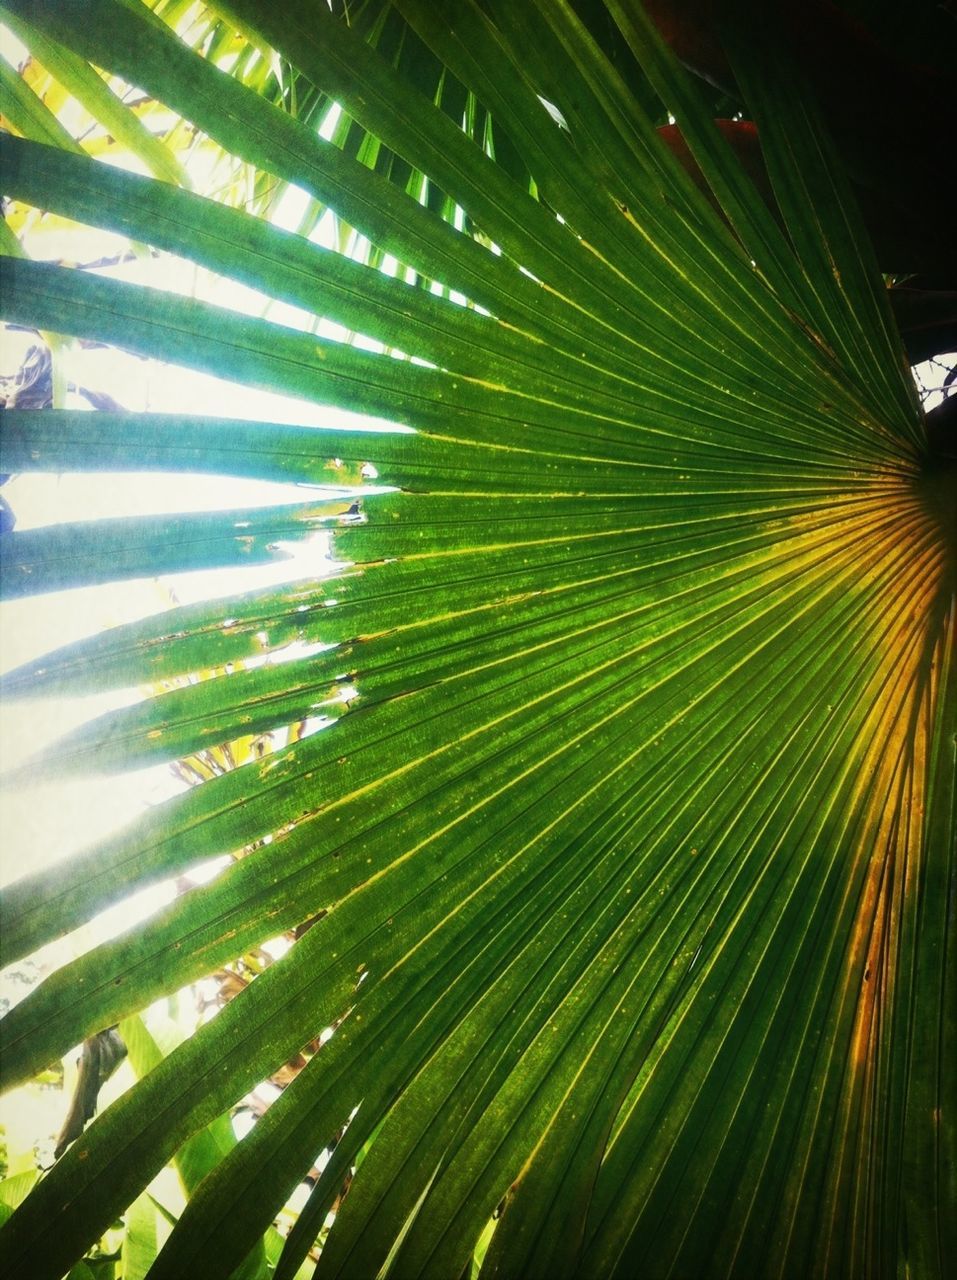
x=635, y=843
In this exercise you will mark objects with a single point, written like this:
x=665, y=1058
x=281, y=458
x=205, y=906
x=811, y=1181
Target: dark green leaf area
x=426, y=989
x=542, y=607
x=641, y=810
x=534, y=631
x=779, y=818
x=511, y=722
x=580, y=563
x=584, y=423
x=331, y=54
x=671, y=532
x=816, y=1024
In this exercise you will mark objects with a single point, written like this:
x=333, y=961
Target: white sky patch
x=46, y=822
x=929, y=376
x=554, y=112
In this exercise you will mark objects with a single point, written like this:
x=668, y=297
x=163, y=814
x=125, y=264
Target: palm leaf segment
x=635, y=845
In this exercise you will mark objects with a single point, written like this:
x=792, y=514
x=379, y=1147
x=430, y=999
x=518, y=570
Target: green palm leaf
x=634, y=850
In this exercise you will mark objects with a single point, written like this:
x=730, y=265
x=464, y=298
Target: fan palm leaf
x=635, y=846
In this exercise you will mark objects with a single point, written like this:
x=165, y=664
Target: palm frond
x=634, y=847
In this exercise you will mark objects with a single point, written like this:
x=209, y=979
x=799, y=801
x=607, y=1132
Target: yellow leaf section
x=890, y=796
